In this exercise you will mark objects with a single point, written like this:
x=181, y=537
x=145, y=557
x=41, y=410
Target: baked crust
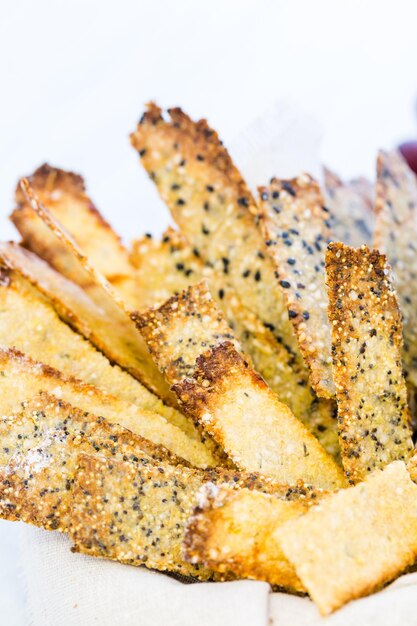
x=216, y=212
x=29, y=323
x=92, y=306
x=21, y=378
x=373, y=414
x=256, y=430
x=64, y=193
x=232, y=531
x=295, y=225
x=40, y=446
x=371, y=538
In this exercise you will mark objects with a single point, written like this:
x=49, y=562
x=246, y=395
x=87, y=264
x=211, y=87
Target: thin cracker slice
x=215, y=211
x=140, y=514
x=108, y=323
x=255, y=429
x=355, y=540
x=232, y=531
x=38, y=457
x=21, y=378
x=295, y=224
x=396, y=236
x=169, y=266
x=373, y=414
x=44, y=337
x=350, y=204
x=181, y=329
x=64, y=193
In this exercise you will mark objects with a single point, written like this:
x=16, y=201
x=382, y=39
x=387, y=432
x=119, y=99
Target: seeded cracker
x=350, y=204
x=21, y=378
x=181, y=329
x=355, y=540
x=296, y=227
x=64, y=194
x=232, y=531
x=44, y=337
x=140, y=513
x=38, y=457
x=255, y=429
x=396, y=236
x=373, y=412
x=168, y=266
x=215, y=211
x=99, y=314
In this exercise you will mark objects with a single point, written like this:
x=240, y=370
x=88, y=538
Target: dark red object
x=409, y=151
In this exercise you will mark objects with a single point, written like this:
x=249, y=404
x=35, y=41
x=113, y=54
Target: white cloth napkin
x=66, y=589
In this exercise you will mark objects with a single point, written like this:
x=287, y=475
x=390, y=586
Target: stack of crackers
x=234, y=400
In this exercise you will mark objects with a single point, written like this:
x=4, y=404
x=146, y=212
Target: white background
x=75, y=76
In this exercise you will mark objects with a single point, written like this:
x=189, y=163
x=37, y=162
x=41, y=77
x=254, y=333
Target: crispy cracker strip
x=373, y=414
x=38, y=457
x=255, y=429
x=296, y=228
x=140, y=514
x=64, y=194
x=44, y=337
x=396, y=236
x=181, y=329
x=215, y=211
x=350, y=204
x=21, y=378
x=232, y=531
x=355, y=540
x=111, y=326
x=168, y=266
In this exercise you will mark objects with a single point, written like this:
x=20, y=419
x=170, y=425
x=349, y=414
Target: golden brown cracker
x=373, y=413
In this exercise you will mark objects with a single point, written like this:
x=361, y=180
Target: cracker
x=374, y=419
x=44, y=337
x=296, y=228
x=64, y=193
x=350, y=204
x=256, y=430
x=356, y=540
x=215, y=211
x=138, y=515
x=232, y=531
x=181, y=329
x=396, y=236
x=21, y=378
x=96, y=311
x=38, y=457
x=168, y=266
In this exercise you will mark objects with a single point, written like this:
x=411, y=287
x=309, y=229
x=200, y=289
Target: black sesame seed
x=275, y=194
x=200, y=157
x=142, y=152
x=180, y=202
x=210, y=188
x=306, y=315
x=221, y=294
x=292, y=314
x=288, y=188
x=175, y=187
x=257, y=276
x=291, y=261
x=285, y=284
x=243, y=201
